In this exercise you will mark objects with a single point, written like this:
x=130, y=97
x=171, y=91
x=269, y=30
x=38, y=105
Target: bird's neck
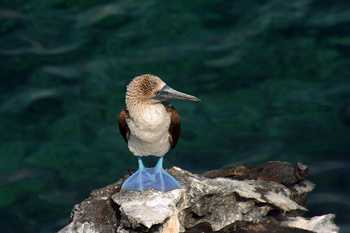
x=144, y=111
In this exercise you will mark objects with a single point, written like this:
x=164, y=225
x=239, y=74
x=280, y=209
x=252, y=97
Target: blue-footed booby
x=151, y=127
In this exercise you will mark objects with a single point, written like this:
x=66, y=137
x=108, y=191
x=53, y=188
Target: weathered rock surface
x=268, y=198
x=319, y=224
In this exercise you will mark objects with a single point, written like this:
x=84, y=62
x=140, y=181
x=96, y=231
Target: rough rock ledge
x=269, y=198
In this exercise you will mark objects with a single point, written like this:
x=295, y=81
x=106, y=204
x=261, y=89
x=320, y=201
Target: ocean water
x=273, y=76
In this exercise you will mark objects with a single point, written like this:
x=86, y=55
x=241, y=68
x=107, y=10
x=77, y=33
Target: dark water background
x=273, y=76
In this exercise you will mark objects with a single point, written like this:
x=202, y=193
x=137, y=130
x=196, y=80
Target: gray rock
x=204, y=204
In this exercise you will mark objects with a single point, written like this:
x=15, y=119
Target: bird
x=151, y=127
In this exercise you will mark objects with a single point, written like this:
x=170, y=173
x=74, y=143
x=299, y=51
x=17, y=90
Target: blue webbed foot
x=140, y=180
x=163, y=180
x=151, y=178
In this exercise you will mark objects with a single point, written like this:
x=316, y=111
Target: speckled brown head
x=144, y=87
x=148, y=88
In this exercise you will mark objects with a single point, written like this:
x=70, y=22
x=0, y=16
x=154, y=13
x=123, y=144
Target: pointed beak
x=167, y=93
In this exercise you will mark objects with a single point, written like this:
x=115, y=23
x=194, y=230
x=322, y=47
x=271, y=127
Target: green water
x=273, y=76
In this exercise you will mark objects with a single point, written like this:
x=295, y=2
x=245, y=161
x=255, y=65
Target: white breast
x=149, y=131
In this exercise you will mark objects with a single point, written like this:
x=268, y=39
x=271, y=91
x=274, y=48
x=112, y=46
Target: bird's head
x=151, y=89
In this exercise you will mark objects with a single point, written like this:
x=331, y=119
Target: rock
x=280, y=172
x=98, y=213
x=218, y=201
x=319, y=224
x=148, y=208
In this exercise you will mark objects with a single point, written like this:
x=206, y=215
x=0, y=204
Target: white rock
x=149, y=207
x=318, y=224
x=262, y=191
x=79, y=228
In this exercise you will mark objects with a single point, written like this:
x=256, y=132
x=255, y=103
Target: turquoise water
x=273, y=77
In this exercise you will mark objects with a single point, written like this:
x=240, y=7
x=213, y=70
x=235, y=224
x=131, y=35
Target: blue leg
x=163, y=180
x=140, y=180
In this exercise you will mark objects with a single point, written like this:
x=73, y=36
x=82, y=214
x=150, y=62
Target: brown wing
x=174, y=128
x=123, y=127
